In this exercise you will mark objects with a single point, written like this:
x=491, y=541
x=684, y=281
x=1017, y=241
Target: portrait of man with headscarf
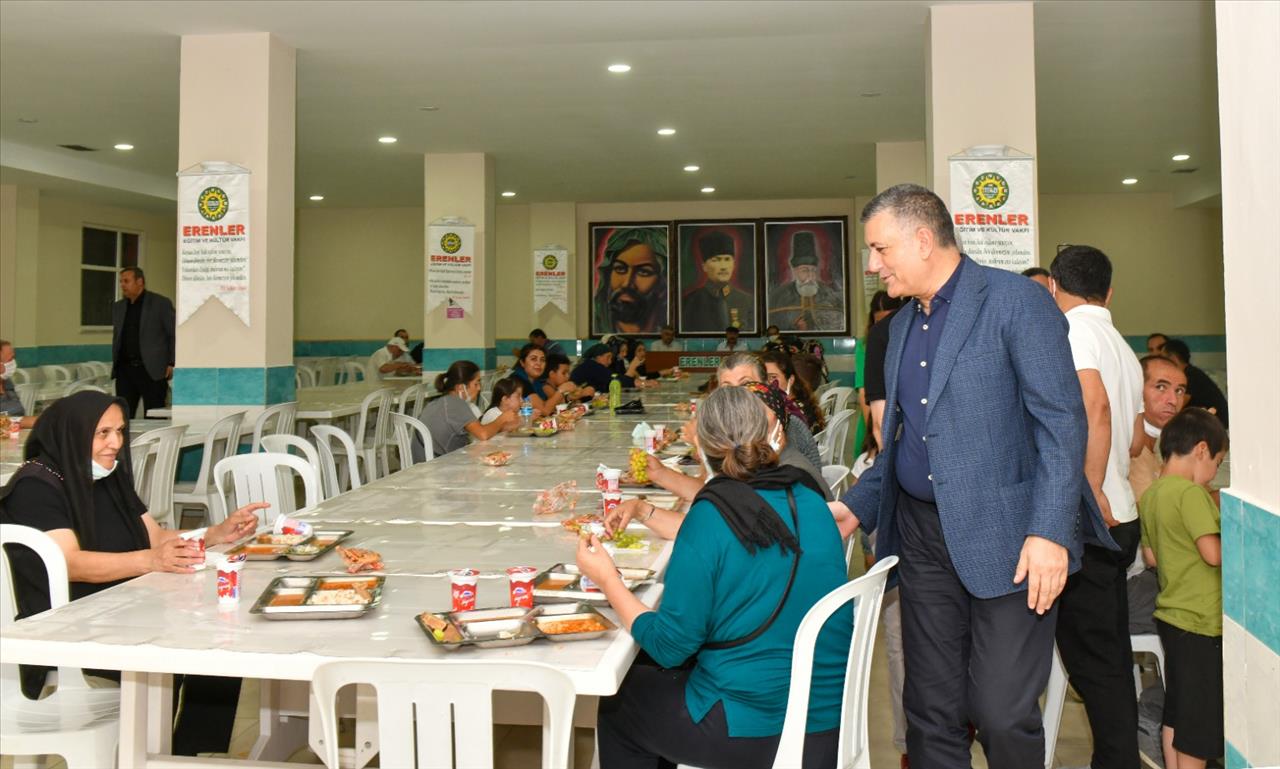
x=717, y=277
x=805, y=286
x=629, y=294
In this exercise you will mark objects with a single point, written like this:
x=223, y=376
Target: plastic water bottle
x=615, y=393
x=526, y=413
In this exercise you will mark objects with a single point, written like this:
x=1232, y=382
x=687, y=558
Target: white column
x=19, y=262
x=900, y=163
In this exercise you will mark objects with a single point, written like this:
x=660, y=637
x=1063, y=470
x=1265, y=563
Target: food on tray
x=287, y=599
x=557, y=583
x=545, y=427
x=359, y=559
x=441, y=629
x=625, y=540
x=281, y=539
x=496, y=458
x=561, y=627
x=345, y=597
x=305, y=549
x=263, y=549
x=581, y=523
x=559, y=499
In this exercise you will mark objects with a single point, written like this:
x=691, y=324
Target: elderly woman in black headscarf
x=77, y=486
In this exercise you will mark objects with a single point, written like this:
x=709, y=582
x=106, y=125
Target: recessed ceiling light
x=1181, y=157
x=508, y=194
x=29, y=120
x=692, y=168
x=387, y=139
x=869, y=94
x=316, y=198
x=429, y=108
x=124, y=146
x=619, y=68
x=708, y=189
x=1130, y=180
x=666, y=132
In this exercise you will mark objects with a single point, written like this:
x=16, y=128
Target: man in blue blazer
x=979, y=489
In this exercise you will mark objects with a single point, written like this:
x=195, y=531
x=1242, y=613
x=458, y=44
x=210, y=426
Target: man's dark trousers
x=968, y=659
x=1093, y=639
x=134, y=384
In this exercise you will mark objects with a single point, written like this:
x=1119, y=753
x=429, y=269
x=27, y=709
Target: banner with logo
x=993, y=206
x=213, y=238
x=451, y=268
x=551, y=278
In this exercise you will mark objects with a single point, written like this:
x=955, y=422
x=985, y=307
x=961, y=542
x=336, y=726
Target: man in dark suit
x=980, y=486
x=142, y=343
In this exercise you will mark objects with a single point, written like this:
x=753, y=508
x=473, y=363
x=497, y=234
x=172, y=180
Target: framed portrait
x=630, y=277
x=805, y=277
x=716, y=278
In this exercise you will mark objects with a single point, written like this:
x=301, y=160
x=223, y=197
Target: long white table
x=448, y=513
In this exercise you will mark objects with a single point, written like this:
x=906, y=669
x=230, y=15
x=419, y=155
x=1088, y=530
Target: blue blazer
x=1006, y=434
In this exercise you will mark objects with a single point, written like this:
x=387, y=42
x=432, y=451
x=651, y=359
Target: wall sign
x=451, y=268
x=993, y=206
x=213, y=238
x=551, y=278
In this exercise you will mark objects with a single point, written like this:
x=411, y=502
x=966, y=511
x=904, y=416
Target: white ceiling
x=765, y=95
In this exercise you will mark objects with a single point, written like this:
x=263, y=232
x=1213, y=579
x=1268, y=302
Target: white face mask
x=1151, y=430
x=99, y=472
x=775, y=437
x=9, y=368
x=705, y=464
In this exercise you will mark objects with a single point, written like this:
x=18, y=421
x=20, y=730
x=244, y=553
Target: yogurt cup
x=611, y=500
x=286, y=525
x=612, y=478
x=196, y=536
x=462, y=588
x=521, y=579
x=229, y=580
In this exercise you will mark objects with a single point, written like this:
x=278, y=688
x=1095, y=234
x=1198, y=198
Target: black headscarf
x=751, y=519
x=59, y=452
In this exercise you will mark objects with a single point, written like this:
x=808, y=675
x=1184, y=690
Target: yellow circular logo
x=212, y=203
x=550, y=261
x=990, y=190
x=451, y=242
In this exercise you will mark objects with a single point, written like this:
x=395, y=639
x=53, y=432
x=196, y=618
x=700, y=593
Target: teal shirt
x=717, y=591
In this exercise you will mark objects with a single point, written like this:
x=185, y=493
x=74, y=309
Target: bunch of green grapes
x=640, y=465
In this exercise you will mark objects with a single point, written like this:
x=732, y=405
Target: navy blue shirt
x=912, y=460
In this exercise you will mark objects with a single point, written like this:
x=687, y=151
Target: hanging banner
x=213, y=238
x=451, y=268
x=551, y=278
x=993, y=206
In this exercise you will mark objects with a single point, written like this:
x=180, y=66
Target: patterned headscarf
x=772, y=397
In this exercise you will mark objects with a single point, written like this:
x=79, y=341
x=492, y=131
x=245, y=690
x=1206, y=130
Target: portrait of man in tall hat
x=717, y=277
x=805, y=292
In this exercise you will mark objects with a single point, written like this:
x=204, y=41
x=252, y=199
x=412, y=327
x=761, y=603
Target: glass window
x=97, y=292
x=103, y=253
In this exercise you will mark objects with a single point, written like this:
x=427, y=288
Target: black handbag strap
x=795, y=564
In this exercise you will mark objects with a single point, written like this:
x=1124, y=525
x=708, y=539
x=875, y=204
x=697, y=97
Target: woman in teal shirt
x=746, y=566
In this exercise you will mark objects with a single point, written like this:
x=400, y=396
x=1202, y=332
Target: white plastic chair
x=373, y=432
x=303, y=376
x=76, y=722
x=80, y=385
x=335, y=477
x=257, y=479
x=155, y=463
x=835, y=400
x=1147, y=643
x=822, y=388
x=27, y=393
x=21, y=376
x=353, y=372
x=54, y=374
x=836, y=437
x=406, y=427
x=853, y=749
x=837, y=477
x=280, y=444
x=434, y=713
x=221, y=441
x=415, y=394
x=1055, y=694
x=279, y=419
x=328, y=372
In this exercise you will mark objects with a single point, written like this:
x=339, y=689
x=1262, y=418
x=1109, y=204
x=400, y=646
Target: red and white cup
x=611, y=500
x=196, y=536
x=229, y=580
x=612, y=479
x=286, y=525
x=600, y=482
x=650, y=440
x=463, y=584
x=521, y=578
x=693, y=406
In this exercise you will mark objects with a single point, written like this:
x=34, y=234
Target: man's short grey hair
x=915, y=205
x=729, y=417
x=136, y=272
x=734, y=360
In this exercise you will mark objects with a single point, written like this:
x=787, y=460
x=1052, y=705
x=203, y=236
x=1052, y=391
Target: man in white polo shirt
x=393, y=359
x=1093, y=614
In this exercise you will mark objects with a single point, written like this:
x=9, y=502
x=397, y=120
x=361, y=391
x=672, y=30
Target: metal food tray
x=631, y=577
x=514, y=626
x=284, y=551
x=307, y=586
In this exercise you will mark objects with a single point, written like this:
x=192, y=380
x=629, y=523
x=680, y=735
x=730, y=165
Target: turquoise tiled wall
x=232, y=386
x=1234, y=759
x=1251, y=568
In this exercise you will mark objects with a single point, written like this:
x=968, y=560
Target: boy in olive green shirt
x=1180, y=537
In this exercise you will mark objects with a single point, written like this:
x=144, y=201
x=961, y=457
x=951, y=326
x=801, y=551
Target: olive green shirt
x=1175, y=513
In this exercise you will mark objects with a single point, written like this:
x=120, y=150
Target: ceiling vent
x=77, y=147
x=1184, y=171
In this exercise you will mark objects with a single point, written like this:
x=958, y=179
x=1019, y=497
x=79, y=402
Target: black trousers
x=968, y=659
x=204, y=711
x=133, y=383
x=1093, y=639
x=646, y=725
